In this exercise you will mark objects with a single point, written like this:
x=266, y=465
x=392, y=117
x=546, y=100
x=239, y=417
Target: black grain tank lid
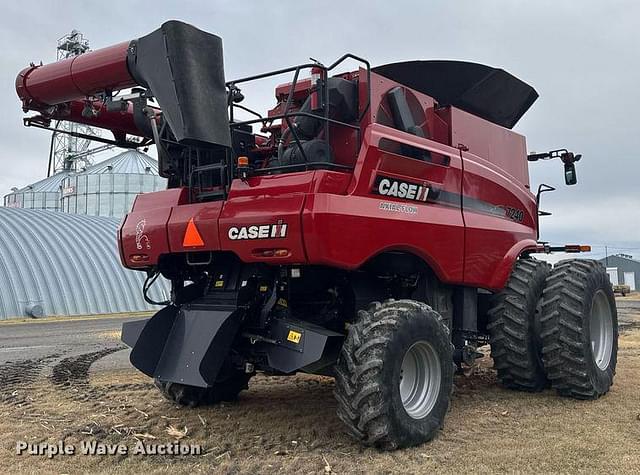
x=490, y=93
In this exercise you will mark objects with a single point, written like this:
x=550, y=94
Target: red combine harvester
x=377, y=227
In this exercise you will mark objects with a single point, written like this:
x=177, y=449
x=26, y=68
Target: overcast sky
x=582, y=58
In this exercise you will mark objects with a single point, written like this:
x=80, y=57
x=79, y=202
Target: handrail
x=287, y=115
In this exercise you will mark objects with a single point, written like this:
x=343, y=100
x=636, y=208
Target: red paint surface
x=75, y=78
x=333, y=218
x=118, y=122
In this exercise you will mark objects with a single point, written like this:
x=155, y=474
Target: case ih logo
x=259, y=231
x=400, y=189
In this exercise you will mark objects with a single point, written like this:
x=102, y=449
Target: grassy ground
x=289, y=425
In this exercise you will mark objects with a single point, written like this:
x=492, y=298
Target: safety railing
x=288, y=115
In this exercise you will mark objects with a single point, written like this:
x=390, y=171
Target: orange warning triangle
x=192, y=237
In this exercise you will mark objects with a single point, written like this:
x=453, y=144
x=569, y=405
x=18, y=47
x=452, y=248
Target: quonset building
x=54, y=263
x=67, y=263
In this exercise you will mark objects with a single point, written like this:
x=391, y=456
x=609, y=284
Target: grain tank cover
x=183, y=67
x=490, y=93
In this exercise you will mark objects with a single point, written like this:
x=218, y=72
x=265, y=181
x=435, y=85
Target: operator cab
x=312, y=145
x=307, y=127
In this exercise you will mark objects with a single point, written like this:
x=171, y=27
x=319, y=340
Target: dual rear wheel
x=556, y=327
x=579, y=329
x=548, y=328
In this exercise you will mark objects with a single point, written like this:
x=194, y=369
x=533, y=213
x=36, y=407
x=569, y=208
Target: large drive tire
x=226, y=388
x=579, y=329
x=394, y=375
x=516, y=348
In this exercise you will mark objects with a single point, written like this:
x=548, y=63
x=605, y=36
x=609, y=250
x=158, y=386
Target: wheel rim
x=601, y=329
x=420, y=379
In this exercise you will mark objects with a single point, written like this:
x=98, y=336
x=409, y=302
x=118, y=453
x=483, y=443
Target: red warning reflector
x=192, y=237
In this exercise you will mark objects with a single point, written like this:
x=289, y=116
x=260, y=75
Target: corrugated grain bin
x=44, y=194
x=109, y=188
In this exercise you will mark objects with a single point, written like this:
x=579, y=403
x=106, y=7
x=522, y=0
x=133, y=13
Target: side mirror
x=570, y=174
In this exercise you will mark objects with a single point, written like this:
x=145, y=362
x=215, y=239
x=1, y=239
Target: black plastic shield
x=313, y=349
x=183, y=66
x=147, y=338
x=183, y=346
x=490, y=93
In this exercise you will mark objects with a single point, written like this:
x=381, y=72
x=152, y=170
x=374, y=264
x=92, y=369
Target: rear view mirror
x=570, y=174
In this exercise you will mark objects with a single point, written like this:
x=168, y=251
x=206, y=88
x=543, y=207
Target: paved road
x=38, y=339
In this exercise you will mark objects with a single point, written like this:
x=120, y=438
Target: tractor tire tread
x=359, y=383
x=511, y=323
x=566, y=353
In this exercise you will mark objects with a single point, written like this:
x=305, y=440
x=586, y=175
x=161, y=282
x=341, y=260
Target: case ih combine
x=375, y=225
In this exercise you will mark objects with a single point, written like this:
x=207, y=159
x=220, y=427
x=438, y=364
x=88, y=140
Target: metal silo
x=109, y=187
x=44, y=194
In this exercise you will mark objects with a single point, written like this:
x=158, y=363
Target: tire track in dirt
x=18, y=376
x=72, y=375
x=113, y=402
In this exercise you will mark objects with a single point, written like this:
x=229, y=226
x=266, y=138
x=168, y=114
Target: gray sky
x=582, y=58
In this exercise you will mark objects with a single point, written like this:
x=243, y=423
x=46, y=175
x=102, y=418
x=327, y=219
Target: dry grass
x=289, y=425
x=633, y=296
x=113, y=335
x=72, y=318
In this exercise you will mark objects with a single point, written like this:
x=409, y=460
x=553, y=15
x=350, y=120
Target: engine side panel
x=347, y=230
x=262, y=215
x=499, y=215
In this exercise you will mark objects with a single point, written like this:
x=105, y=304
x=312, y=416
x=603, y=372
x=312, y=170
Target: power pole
x=606, y=256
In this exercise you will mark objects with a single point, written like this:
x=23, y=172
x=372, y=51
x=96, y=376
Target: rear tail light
x=271, y=252
x=138, y=257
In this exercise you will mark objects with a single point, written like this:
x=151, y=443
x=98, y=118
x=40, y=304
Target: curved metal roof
x=129, y=162
x=49, y=184
x=68, y=264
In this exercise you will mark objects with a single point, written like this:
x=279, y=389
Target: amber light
x=577, y=248
x=272, y=252
x=243, y=161
x=139, y=257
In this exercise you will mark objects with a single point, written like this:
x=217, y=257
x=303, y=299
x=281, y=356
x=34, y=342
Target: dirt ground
x=289, y=424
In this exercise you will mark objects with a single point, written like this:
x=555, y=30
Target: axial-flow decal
x=405, y=190
x=141, y=236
